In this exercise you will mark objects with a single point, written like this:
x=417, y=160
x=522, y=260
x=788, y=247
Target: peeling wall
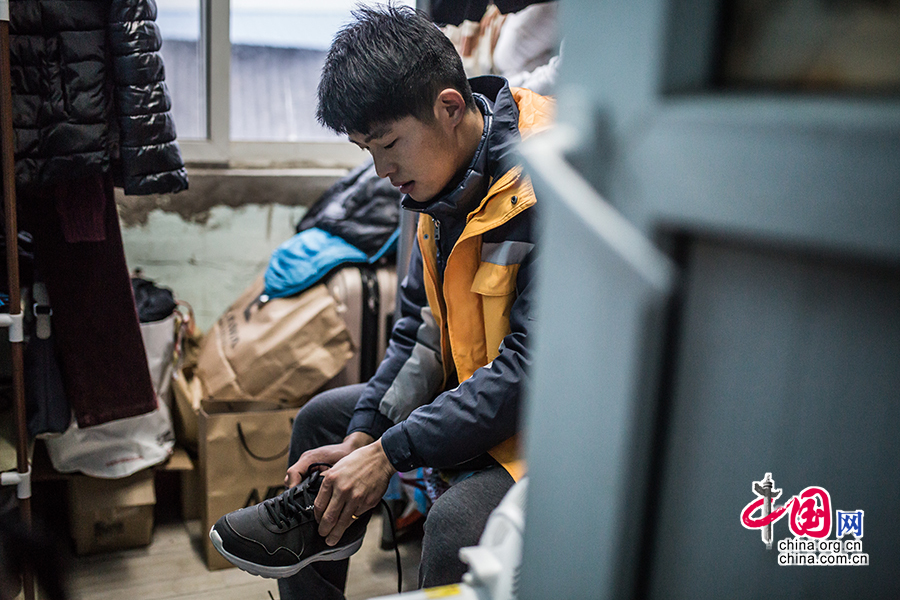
x=209, y=243
x=235, y=188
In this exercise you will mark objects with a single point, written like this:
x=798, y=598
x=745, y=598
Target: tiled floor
x=172, y=568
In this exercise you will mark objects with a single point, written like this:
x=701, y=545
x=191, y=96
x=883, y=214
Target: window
x=183, y=55
x=243, y=76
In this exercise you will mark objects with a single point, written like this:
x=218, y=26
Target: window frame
x=218, y=148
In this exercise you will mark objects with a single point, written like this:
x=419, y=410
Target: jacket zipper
x=437, y=249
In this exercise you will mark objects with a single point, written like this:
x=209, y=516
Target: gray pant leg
x=457, y=520
x=321, y=421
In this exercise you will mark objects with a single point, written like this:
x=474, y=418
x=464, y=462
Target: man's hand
x=352, y=486
x=329, y=455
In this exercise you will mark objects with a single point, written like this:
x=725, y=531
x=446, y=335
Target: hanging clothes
x=91, y=110
x=89, y=95
x=94, y=320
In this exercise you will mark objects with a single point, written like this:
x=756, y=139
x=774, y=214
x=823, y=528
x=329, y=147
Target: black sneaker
x=279, y=536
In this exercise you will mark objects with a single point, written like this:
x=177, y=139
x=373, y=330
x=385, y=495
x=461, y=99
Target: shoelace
x=283, y=509
x=390, y=517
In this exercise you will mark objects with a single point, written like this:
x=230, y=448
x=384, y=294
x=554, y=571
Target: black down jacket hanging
x=89, y=95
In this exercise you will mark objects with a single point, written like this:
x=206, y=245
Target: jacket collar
x=492, y=158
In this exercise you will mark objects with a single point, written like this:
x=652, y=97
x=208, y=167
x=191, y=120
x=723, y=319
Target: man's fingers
x=323, y=499
x=344, y=521
x=312, y=460
x=353, y=485
x=297, y=473
x=334, y=512
x=330, y=517
x=294, y=476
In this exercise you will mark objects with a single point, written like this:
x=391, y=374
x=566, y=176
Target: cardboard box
x=189, y=482
x=111, y=514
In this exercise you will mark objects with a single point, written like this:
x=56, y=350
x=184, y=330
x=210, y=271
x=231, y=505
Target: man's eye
x=391, y=145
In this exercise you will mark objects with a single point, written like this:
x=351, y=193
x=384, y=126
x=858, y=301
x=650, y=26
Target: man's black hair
x=390, y=63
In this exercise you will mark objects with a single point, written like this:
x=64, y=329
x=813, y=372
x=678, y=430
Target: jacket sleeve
x=151, y=160
x=411, y=373
x=482, y=411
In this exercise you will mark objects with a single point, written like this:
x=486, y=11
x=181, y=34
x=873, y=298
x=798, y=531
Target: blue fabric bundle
x=310, y=255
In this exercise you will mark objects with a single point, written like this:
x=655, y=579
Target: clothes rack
x=21, y=478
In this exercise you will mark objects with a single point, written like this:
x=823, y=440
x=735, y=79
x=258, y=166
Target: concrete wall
x=210, y=242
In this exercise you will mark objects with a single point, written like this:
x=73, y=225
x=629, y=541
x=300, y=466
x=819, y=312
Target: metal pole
x=16, y=336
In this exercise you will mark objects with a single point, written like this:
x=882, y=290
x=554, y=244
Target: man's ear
x=449, y=107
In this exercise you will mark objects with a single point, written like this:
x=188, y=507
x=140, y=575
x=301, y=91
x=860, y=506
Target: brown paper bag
x=187, y=391
x=282, y=350
x=243, y=460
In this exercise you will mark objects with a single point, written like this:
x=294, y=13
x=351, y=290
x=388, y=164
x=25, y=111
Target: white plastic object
x=16, y=326
x=21, y=480
x=494, y=563
x=42, y=310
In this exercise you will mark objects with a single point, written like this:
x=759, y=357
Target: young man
x=448, y=394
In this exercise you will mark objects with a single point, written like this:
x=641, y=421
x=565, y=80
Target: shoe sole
x=287, y=570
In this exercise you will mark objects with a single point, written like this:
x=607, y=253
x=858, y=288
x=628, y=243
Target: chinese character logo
x=809, y=519
x=849, y=522
x=811, y=513
x=766, y=496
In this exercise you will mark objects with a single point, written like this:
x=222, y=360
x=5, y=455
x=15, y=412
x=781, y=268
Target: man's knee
x=310, y=415
x=446, y=525
x=323, y=420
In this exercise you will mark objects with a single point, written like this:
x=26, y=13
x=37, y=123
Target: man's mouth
x=405, y=187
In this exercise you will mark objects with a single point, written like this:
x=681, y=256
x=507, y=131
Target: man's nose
x=383, y=168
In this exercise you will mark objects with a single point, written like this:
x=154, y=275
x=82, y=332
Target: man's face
x=420, y=158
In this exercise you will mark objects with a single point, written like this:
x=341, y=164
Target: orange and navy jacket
x=449, y=391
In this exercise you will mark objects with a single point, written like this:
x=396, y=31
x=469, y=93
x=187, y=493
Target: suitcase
x=366, y=299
